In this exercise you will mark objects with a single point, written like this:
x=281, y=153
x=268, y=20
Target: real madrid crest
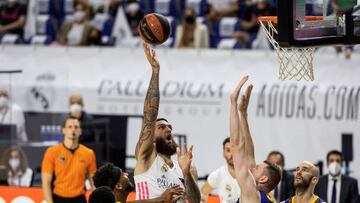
x=228, y=188
x=164, y=168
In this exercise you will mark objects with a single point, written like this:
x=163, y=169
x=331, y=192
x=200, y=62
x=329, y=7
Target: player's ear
x=314, y=180
x=263, y=179
x=118, y=186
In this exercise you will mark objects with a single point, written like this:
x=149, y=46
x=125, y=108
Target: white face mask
x=334, y=169
x=3, y=101
x=14, y=163
x=132, y=8
x=75, y=108
x=79, y=16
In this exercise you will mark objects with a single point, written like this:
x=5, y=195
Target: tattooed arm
x=192, y=191
x=145, y=146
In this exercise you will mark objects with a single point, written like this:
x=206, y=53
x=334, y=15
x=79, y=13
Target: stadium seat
x=99, y=20
x=68, y=6
x=227, y=26
x=108, y=26
x=147, y=6
x=42, y=24
x=165, y=7
x=229, y=43
x=198, y=5
x=42, y=6
x=11, y=39
x=40, y=40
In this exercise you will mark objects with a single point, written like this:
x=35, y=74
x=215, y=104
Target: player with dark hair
x=155, y=171
x=255, y=180
x=118, y=181
x=102, y=194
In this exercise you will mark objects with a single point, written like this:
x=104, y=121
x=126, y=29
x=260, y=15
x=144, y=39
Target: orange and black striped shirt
x=70, y=168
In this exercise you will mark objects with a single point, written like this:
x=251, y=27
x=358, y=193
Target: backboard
x=336, y=26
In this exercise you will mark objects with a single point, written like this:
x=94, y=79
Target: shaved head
x=76, y=99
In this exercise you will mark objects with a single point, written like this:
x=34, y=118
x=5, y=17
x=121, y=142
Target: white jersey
x=227, y=186
x=157, y=179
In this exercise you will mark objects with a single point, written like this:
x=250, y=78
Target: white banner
x=304, y=120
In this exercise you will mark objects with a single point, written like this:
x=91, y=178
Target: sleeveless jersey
x=315, y=200
x=264, y=198
x=157, y=179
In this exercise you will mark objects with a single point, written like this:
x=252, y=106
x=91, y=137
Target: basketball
x=154, y=29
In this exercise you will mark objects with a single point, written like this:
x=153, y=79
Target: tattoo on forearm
x=151, y=107
x=192, y=191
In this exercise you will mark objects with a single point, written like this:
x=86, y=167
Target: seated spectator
x=19, y=173
x=102, y=194
x=76, y=32
x=336, y=187
x=250, y=26
x=133, y=15
x=12, y=18
x=76, y=104
x=11, y=113
x=94, y=38
x=191, y=34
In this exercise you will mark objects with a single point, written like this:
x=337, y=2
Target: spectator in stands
x=19, y=173
x=249, y=26
x=12, y=18
x=102, y=194
x=133, y=15
x=190, y=33
x=335, y=187
x=114, y=7
x=94, y=38
x=76, y=104
x=66, y=167
x=285, y=188
x=11, y=113
x=76, y=32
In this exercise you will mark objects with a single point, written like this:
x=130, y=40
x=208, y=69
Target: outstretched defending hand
x=172, y=194
x=151, y=57
x=186, y=159
x=235, y=95
x=244, y=102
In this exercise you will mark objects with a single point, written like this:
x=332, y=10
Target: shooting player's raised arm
x=145, y=146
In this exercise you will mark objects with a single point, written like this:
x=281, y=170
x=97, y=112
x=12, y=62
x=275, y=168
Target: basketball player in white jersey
x=155, y=171
x=223, y=179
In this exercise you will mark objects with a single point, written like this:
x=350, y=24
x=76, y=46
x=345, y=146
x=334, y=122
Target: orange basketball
x=154, y=28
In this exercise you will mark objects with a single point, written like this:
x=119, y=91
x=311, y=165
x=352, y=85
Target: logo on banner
x=41, y=94
x=177, y=97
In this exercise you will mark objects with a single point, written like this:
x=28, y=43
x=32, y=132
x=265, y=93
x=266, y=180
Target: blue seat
x=165, y=7
x=108, y=26
x=43, y=6
x=147, y=6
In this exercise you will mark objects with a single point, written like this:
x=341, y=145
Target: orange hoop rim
x=274, y=19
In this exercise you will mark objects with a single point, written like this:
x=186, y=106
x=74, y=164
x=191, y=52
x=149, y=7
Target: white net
x=295, y=62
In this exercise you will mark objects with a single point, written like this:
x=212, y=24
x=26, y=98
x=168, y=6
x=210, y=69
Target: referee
x=67, y=166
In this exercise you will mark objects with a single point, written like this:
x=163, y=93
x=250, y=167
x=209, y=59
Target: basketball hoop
x=295, y=62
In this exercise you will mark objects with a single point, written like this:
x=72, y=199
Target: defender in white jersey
x=155, y=171
x=223, y=179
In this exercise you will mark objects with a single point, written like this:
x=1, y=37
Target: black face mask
x=190, y=19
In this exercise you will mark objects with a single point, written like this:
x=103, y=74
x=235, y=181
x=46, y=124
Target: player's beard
x=162, y=147
x=304, y=184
